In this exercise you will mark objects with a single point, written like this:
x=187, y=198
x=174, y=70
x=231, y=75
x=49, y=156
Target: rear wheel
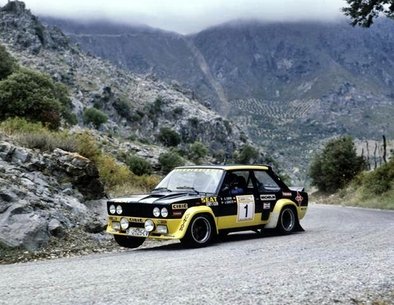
x=287, y=220
x=129, y=241
x=200, y=232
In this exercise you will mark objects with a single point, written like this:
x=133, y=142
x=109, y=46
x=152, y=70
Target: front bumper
x=136, y=228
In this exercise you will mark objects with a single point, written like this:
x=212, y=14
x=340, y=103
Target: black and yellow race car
x=195, y=204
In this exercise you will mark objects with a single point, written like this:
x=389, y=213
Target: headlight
x=112, y=209
x=116, y=225
x=149, y=225
x=119, y=210
x=156, y=212
x=162, y=229
x=164, y=212
x=124, y=223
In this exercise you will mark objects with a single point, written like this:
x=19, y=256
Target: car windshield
x=199, y=180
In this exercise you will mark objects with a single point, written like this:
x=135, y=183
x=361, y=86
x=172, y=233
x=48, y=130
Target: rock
x=21, y=228
x=42, y=195
x=20, y=156
x=95, y=226
x=55, y=228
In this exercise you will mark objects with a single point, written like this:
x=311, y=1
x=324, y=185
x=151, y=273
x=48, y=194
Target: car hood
x=158, y=198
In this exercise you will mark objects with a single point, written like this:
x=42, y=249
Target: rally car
x=195, y=204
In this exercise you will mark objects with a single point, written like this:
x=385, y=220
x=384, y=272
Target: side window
x=237, y=183
x=265, y=183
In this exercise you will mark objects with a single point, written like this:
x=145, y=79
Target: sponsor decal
x=286, y=194
x=266, y=205
x=299, y=198
x=138, y=220
x=179, y=206
x=209, y=199
x=177, y=213
x=212, y=204
x=268, y=197
x=186, y=217
x=228, y=200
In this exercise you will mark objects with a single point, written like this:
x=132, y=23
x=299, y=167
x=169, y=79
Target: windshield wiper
x=161, y=189
x=187, y=188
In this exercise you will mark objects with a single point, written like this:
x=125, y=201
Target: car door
x=239, y=201
x=268, y=192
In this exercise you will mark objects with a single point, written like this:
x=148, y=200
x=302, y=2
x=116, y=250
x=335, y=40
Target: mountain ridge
x=292, y=86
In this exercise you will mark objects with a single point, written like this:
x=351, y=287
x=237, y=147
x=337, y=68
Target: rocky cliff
x=46, y=195
x=138, y=106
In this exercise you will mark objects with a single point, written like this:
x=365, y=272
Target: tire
x=199, y=232
x=129, y=241
x=287, y=221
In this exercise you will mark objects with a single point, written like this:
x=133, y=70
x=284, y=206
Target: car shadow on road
x=231, y=238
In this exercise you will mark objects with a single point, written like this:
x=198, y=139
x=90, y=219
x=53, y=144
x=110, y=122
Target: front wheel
x=129, y=241
x=199, y=233
x=287, y=221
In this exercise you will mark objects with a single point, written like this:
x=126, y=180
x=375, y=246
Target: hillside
x=138, y=106
x=291, y=86
x=58, y=181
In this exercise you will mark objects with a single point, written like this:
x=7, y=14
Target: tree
x=363, y=12
x=31, y=95
x=94, y=116
x=169, y=137
x=197, y=151
x=336, y=165
x=170, y=160
x=7, y=63
x=139, y=166
x=247, y=155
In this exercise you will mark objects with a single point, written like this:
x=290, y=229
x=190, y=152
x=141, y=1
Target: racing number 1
x=246, y=207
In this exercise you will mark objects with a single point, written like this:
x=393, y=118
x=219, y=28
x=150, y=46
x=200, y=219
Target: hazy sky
x=188, y=16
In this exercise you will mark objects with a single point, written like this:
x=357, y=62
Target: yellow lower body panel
x=175, y=227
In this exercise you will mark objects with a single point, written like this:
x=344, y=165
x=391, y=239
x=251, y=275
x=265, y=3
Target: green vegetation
x=34, y=96
x=374, y=189
x=336, y=165
x=169, y=137
x=7, y=63
x=123, y=108
x=170, y=160
x=247, y=155
x=197, y=151
x=94, y=116
x=139, y=166
x=117, y=178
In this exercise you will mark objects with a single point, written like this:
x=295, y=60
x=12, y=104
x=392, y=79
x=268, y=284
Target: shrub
x=19, y=125
x=169, y=137
x=7, y=63
x=94, y=116
x=170, y=160
x=31, y=95
x=139, y=166
x=336, y=165
x=248, y=154
x=380, y=180
x=48, y=141
x=87, y=146
x=111, y=172
x=122, y=107
x=197, y=151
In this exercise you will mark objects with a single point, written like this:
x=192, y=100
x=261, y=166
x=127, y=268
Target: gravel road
x=345, y=256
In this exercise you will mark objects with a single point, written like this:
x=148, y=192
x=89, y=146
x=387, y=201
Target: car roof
x=227, y=167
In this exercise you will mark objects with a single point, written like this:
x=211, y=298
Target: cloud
x=186, y=16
